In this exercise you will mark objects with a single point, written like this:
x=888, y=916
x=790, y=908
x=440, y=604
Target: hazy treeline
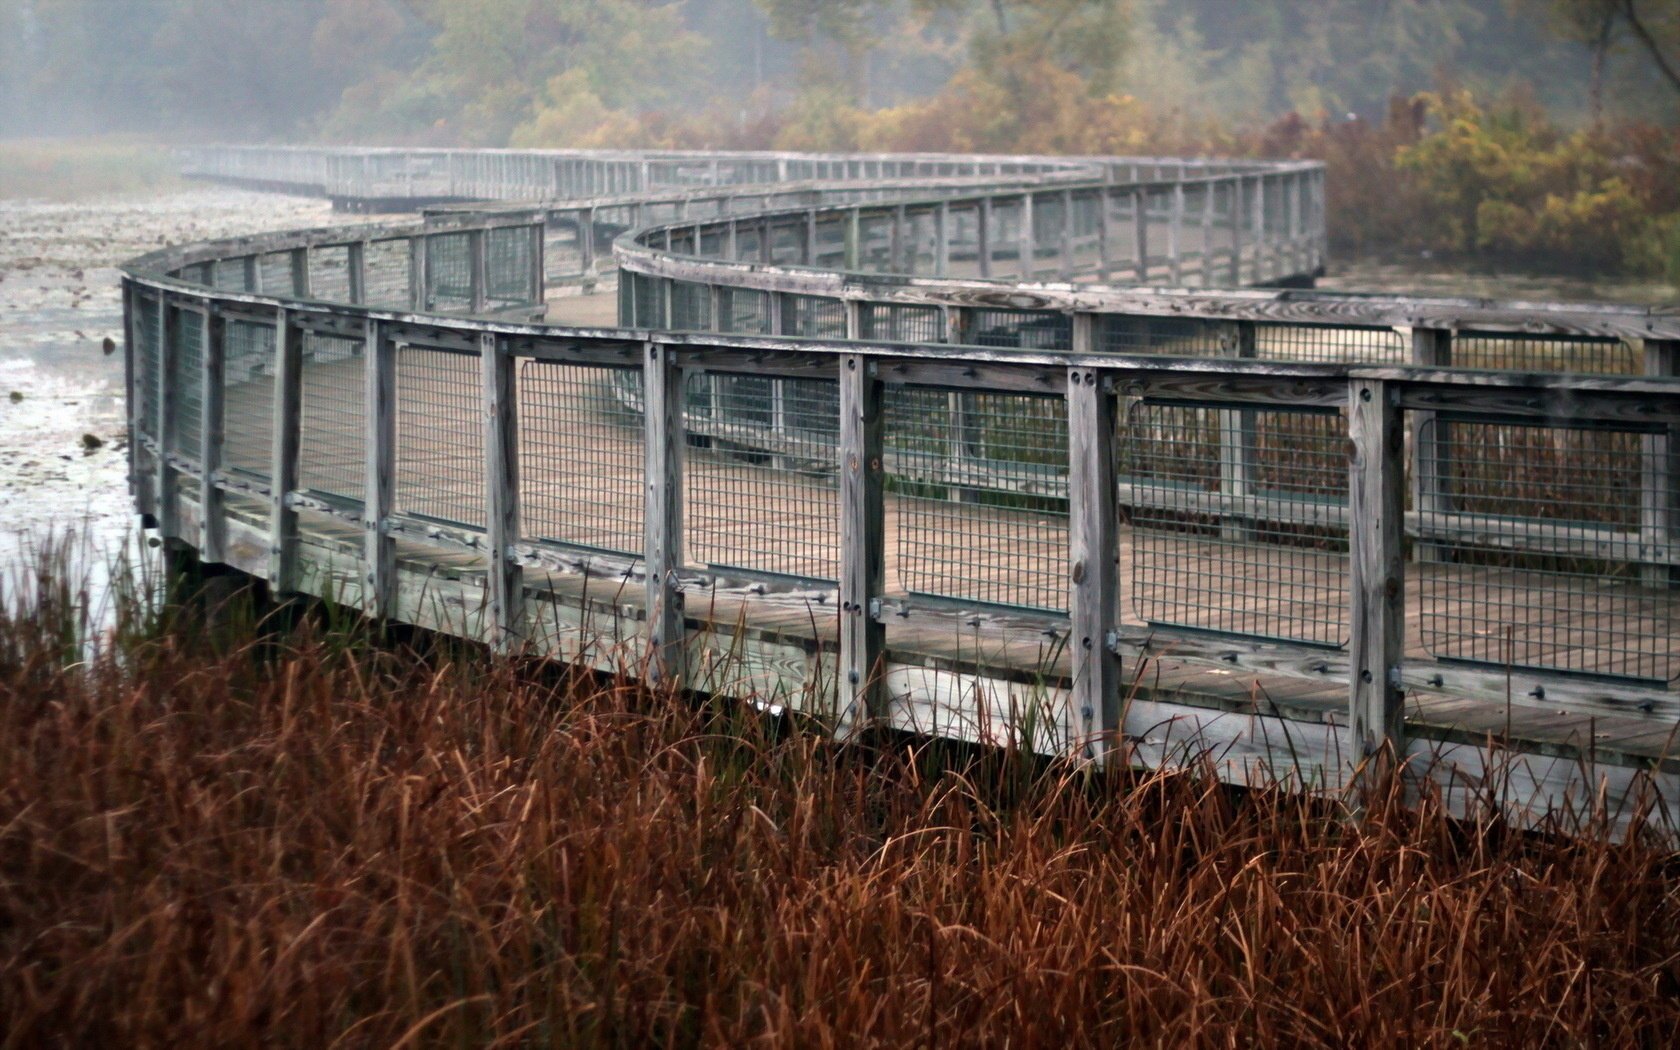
x=1545, y=131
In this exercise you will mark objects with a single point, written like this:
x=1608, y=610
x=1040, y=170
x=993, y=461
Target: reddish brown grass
x=341, y=845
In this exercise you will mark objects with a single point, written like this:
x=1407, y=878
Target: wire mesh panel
x=691, y=307
x=440, y=435
x=743, y=310
x=147, y=362
x=1554, y=545
x=186, y=379
x=1019, y=329
x=760, y=474
x=230, y=274
x=979, y=504
x=1237, y=519
x=1172, y=336
x=329, y=273
x=507, y=265
x=248, y=397
x=902, y=324
x=1528, y=353
x=813, y=317
x=581, y=455
x=332, y=458
x=1285, y=342
x=275, y=271
x=449, y=271
x=387, y=273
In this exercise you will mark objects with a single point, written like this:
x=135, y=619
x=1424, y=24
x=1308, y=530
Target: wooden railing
x=1427, y=503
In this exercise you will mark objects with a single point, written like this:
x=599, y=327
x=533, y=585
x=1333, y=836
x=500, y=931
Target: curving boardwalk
x=1064, y=450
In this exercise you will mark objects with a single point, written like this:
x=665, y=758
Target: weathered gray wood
x=300, y=273
x=1140, y=236
x=379, y=359
x=505, y=578
x=1238, y=442
x=283, y=470
x=1376, y=570
x=862, y=547
x=1026, y=242
x=987, y=228
x=1431, y=348
x=1094, y=601
x=1658, y=505
x=355, y=264
x=478, y=278
x=167, y=480
x=662, y=393
x=213, y=521
x=419, y=280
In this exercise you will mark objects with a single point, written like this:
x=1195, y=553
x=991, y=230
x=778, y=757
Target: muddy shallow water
x=62, y=460
x=62, y=455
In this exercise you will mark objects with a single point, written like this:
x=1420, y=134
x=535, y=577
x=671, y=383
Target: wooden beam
x=283, y=470
x=1376, y=571
x=212, y=500
x=168, y=489
x=862, y=698
x=505, y=578
x=662, y=402
x=1094, y=718
x=379, y=384
x=1140, y=235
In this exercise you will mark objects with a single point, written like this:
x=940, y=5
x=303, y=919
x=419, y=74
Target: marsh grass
x=309, y=839
x=73, y=169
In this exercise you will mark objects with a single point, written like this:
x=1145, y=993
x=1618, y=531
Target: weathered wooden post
x=942, y=239
x=1431, y=494
x=662, y=391
x=283, y=468
x=1236, y=218
x=983, y=249
x=419, y=278
x=211, y=501
x=1140, y=234
x=1065, y=269
x=1237, y=442
x=504, y=578
x=1094, y=718
x=1376, y=574
x=1657, y=451
x=355, y=264
x=863, y=564
x=1105, y=250
x=1027, y=238
x=1175, y=230
x=477, y=271
x=299, y=258
x=168, y=400
x=379, y=550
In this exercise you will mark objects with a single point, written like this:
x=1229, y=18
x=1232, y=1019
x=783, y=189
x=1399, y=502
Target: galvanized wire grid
x=508, y=265
x=1237, y=519
x=813, y=317
x=1287, y=342
x=186, y=379
x=275, y=271
x=1021, y=329
x=440, y=435
x=229, y=275
x=332, y=457
x=1537, y=556
x=387, y=273
x=743, y=310
x=562, y=249
x=1545, y=354
x=830, y=250
x=449, y=270
x=248, y=398
x=748, y=244
x=581, y=455
x=147, y=362
x=1171, y=336
x=901, y=324
x=691, y=307
x=760, y=474
x=329, y=274
x=981, y=502
x=874, y=249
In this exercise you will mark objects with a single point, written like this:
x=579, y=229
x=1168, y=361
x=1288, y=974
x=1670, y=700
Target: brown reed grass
x=323, y=844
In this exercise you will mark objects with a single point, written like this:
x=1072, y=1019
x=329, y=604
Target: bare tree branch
x=1650, y=43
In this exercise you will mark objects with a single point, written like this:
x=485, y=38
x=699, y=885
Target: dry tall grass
x=315, y=843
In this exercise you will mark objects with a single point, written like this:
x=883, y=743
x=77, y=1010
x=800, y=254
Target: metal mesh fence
x=901, y=324
x=760, y=475
x=387, y=273
x=1171, y=336
x=186, y=379
x=275, y=271
x=691, y=307
x=813, y=317
x=1019, y=329
x=332, y=459
x=440, y=435
x=329, y=274
x=507, y=265
x=248, y=398
x=581, y=455
x=1545, y=354
x=449, y=271
x=979, y=507
x=1552, y=547
x=1284, y=342
x=1238, y=519
x=230, y=274
x=743, y=310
